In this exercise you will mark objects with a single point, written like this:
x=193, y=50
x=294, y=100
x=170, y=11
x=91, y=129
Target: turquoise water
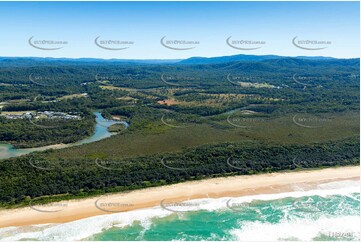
x=101, y=129
x=330, y=212
x=101, y=132
x=262, y=220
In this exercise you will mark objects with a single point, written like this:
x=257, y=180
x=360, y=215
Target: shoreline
x=234, y=186
x=7, y=148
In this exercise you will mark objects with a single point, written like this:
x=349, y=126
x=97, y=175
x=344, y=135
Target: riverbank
x=101, y=132
x=236, y=186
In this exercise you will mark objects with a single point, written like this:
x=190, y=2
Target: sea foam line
x=84, y=228
x=339, y=229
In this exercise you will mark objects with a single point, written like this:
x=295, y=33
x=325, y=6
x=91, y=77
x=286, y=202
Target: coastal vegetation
x=37, y=178
x=186, y=122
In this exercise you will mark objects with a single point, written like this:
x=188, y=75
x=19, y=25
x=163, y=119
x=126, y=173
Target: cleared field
x=115, y=88
x=78, y=95
x=211, y=100
x=256, y=85
x=16, y=112
x=127, y=98
x=19, y=100
x=169, y=102
x=119, y=117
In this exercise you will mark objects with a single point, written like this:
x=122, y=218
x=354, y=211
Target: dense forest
x=188, y=120
x=32, y=176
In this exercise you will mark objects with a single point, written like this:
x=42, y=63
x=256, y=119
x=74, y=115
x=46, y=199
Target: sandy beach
x=236, y=186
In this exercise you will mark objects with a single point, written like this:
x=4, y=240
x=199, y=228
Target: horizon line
x=177, y=59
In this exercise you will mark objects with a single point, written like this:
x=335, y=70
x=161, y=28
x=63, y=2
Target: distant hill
x=222, y=60
x=35, y=61
x=244, y=58
x=287, y=64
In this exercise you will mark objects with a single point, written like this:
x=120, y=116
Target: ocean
x=328, y=212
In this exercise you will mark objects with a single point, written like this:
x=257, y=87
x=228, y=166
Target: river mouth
x=101, y=132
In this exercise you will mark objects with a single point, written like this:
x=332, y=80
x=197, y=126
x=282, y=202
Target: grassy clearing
x=108, y=87
x=16, y=112
x=71, y=96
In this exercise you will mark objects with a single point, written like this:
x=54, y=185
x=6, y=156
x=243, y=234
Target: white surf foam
x=85, y=228
x=339, y=229
x=342, y=188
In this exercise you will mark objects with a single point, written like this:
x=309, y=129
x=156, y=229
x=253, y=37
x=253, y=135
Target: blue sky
x=209, y=23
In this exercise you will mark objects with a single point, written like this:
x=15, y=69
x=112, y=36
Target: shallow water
x=101, y=132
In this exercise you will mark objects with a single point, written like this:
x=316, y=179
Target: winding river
x=101, y=132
